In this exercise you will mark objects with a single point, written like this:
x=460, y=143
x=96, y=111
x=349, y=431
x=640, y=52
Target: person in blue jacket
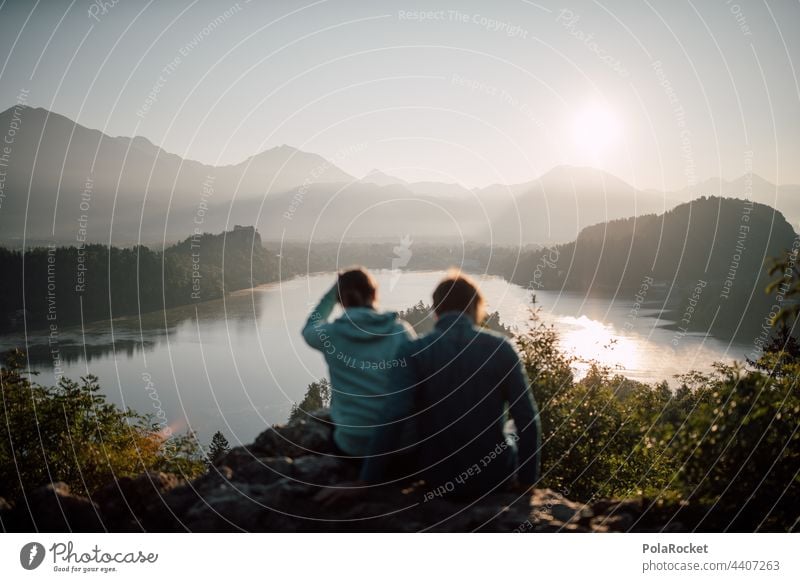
x=459, y=386
x=360, y=348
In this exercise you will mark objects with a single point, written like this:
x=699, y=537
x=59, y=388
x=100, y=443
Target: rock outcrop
x=269, y=486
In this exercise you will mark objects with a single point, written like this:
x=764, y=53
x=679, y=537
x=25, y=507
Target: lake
x=239, y=363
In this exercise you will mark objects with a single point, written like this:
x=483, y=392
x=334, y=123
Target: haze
x=662, y=94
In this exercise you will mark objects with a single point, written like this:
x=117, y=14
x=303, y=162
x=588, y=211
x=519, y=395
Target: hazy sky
x=660, y=93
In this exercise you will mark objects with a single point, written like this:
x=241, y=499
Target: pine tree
x=218, y=447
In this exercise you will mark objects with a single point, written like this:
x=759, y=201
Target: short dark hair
x=457, y=292
x=356, y=287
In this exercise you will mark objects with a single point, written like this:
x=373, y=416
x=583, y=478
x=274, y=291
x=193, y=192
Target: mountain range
x=64, y=183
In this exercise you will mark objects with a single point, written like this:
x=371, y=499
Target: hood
x=364, y=324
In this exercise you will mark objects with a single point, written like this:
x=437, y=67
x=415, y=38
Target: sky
x=663, y=94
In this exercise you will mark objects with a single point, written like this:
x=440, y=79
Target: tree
x=423, y=320
x=787, y=284
x=739, y=449
x=782, y=349
x=779, y=354
x=70, y=433
x=218, y=447
x=317, y=396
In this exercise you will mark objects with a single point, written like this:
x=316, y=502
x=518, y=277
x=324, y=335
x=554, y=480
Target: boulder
x=53, y=508
x=310, y=435
x=249, y=492
x=269, y=486
x=125, y=501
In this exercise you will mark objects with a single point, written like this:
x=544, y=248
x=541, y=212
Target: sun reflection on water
x=594, y=340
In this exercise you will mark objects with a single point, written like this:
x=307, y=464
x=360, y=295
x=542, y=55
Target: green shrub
x=726, y=442
x=725, y=445
x=739, y=449
x=318, y=395
x=70, y=433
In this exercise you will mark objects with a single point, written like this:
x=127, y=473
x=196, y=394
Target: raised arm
x=313, y=330
x=525, y=413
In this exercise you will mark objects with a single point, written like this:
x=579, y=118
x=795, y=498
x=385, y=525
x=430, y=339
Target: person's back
x=360, y=348
x=467, y=377
x=459, y=382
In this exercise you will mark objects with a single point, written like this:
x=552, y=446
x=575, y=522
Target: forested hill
x=719, y=246
x=53, y=285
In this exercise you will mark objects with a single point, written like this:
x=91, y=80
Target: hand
x=332, y=496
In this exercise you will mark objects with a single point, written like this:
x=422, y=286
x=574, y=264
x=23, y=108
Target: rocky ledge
x=269, y=487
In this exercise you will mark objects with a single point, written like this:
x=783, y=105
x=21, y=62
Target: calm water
x=238, y=364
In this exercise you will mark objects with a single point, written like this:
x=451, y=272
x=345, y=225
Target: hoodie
x=460, y=384
x=360, y=348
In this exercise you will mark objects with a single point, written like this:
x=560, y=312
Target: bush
x=318, y=395
x=423, y=320
x=740, y=449
x=727, y=442
x=70, y=433
x=597, y=433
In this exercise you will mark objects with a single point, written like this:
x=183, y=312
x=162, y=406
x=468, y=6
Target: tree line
x=47, y=286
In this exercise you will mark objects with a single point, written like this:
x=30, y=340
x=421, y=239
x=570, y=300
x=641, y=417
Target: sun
x=595, y=129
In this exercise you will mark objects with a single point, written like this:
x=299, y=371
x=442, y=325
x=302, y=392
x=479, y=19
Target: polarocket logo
x=31, y=555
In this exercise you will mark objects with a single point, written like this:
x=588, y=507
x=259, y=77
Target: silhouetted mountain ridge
x=715, y=248
x=66, y=181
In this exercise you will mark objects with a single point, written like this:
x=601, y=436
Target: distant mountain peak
x=141, y=140
x=582, y=177
x=294, y=166
x=140, y=143
x=379, y=178
x=37, y=113
x=570, y=171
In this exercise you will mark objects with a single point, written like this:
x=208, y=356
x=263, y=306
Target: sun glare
x=595, y=129
x=594, y=340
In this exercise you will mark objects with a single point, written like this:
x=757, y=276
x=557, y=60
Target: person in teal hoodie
x=459, y=387
x=360, y=348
